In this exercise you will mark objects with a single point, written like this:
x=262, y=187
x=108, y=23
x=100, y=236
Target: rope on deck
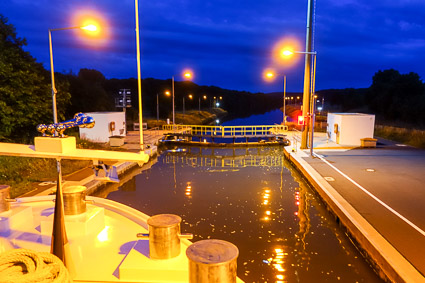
x=23, y=265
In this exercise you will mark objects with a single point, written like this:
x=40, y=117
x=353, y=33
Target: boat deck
x=103, y=241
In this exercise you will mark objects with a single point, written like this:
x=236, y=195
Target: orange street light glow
x=287, y=52
x=283, y=50
x=187, y=74
x=190, y=96
x=93, y=25
x=90, y=28
x=167, y=93
x=269, y=74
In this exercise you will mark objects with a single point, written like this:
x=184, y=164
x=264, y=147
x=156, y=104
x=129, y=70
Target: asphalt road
x=394, y=176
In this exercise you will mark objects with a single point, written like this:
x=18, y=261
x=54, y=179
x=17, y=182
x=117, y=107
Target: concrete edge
x=388, y=261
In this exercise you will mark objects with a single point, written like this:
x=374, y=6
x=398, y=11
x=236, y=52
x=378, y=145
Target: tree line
x=26, y=98
x=393, y=97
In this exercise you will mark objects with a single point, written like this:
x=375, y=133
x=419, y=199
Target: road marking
x=374, y=197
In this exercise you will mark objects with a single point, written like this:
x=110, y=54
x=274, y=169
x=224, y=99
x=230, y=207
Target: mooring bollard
x=212, y=261
x=74, y=200
x=4, y=198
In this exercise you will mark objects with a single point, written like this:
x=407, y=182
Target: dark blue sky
x=228, y=43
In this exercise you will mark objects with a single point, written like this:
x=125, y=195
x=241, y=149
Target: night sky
x=228, y=43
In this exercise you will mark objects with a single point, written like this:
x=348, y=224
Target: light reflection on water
x=256, y=200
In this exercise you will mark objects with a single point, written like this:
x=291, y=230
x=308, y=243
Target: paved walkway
x=378, y=194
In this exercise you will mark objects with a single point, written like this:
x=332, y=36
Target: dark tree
x=25, y=94
x=88, y=93
x=397, y=97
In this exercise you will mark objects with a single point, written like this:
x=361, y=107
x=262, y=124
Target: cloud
x=230, y=42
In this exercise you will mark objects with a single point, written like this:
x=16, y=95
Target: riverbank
x=191, y=117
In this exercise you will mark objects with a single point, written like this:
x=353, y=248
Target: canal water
x=255, y=199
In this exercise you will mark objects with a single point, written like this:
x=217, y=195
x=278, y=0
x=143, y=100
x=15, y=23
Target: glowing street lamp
x=91, y=28
x=190, y=97
x=187, y=74
x=308, y=98
x=205, y=98
x=269, y=75
x=59, y=245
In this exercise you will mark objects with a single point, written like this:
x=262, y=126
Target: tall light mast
x=307, y=72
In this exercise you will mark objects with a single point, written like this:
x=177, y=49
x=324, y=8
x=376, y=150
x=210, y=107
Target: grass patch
x=20, y=173
x=411, y=137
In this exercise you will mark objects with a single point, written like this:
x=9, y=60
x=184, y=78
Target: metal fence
x=227, y=131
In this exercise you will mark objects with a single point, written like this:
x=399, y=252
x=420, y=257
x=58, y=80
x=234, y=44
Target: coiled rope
x=23, y=265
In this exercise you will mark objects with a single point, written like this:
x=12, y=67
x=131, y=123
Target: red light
x=300, y=120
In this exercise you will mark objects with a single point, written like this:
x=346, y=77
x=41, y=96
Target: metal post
x=307, y=70
x=157, y=107
x=52, y=74
x=139, y=79
x=172, y=86
x=183, y=107
x=284, y=100
x=199, y=104
x=313, y=105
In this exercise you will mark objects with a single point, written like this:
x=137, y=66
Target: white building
x=350, y=128
x=107, y=124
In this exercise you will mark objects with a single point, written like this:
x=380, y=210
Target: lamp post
x=172, y=82
x=157, y=107
x=270, y=75
x=187, y=75
x=59, y=244
x=205, y=98
x=308, y=92
x=52, y=72
x=139, y=77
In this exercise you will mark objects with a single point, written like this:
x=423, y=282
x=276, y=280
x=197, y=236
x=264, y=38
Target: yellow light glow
x=287, y=52
x=269, y=74
x=93, y=26
x=167, y=93
x=268, y=212
x=190, y=96
x=280, y=277
x=278, y=250
x=266, y=218
x=90, y=28
x=283, y=50
x=188, y=74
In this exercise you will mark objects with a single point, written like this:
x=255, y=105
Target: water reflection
x=253, y=198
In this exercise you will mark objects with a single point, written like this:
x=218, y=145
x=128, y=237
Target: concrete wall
x=103, y=126
x=350, y=128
